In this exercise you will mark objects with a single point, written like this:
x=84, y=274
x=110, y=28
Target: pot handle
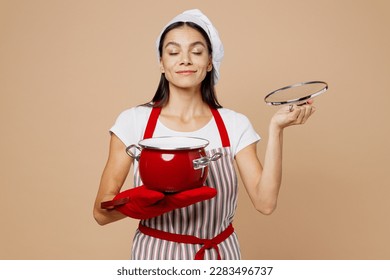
x=131, y=154
x=204, y=161
x=111, y=204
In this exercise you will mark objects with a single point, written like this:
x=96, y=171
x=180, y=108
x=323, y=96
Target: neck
x=186, y=103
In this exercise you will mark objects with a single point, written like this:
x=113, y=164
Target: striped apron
x=208, y=222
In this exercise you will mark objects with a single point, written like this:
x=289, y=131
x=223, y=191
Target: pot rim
x=189, y=143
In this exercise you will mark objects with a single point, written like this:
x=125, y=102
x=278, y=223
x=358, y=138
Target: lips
x=186, y=72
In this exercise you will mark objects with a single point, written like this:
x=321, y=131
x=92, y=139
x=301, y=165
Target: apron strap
x=152, y=122
x=221, y=127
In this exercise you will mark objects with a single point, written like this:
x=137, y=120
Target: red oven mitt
x=143, y=203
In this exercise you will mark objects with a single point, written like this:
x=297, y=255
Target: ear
x=210, y=66
x=162, y=67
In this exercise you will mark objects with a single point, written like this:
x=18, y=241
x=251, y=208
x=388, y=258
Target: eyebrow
x=191, y=45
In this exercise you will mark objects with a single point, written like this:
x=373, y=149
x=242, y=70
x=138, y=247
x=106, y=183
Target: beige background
x=68, y=68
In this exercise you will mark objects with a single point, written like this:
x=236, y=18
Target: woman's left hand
x=293, y=115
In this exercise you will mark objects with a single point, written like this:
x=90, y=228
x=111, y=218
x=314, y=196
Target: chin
x=186, y=85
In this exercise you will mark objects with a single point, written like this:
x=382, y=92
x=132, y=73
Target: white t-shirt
x=131, y=123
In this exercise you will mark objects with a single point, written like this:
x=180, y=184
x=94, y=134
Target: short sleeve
x=130, y=124
x=240, y=130
x=244, y=134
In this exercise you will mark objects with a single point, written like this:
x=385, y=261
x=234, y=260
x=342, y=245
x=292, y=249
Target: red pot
x=172, y=164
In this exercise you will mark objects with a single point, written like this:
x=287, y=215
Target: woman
x=185, y=104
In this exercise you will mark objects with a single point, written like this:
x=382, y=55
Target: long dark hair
x=207, y=87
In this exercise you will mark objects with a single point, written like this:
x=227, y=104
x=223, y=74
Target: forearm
x=271, y=177
x=111, y=182
x=106, y=216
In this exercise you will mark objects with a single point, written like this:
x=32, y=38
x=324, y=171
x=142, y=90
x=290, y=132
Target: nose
x=185, y=59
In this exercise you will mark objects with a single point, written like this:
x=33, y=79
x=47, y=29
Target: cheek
x=168, y=64
x=207, y=67
x=206, y=64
